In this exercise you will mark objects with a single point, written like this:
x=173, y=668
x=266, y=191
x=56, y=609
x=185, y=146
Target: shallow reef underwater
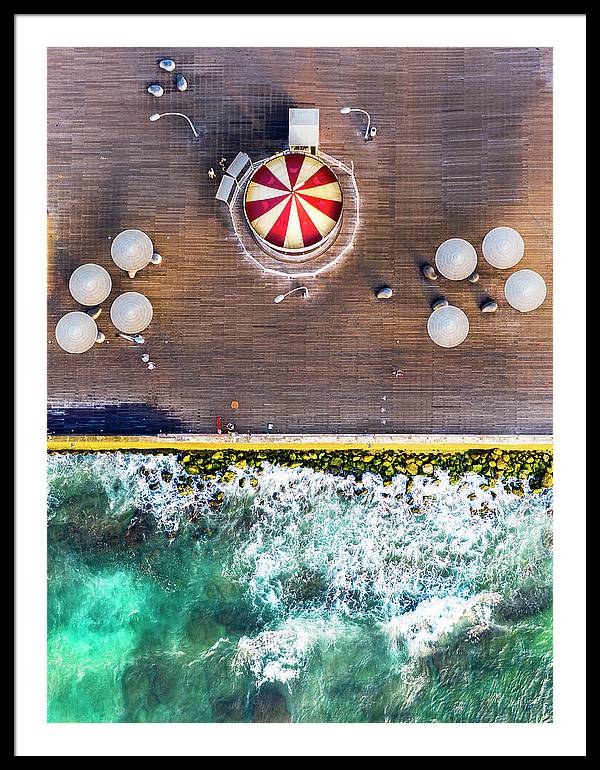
x=275, y=586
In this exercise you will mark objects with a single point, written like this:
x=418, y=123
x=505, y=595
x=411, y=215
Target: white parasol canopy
x=90, y=285
x=131, y=312
x=503, y=247
x=131, y=250
x=76, y=332
x=448, y=326
x=525, y=290
x=456, y=259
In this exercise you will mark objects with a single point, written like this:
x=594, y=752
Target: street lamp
x=370, y=132
x=157, y=116
x=280, y=297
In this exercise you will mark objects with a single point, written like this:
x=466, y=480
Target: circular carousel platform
x=293, y=205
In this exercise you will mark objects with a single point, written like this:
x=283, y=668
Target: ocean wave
x=314, y=554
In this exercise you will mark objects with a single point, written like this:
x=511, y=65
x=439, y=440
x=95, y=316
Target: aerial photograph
x=299, y=353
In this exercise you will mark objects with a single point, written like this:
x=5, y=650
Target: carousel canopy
x=293, y=202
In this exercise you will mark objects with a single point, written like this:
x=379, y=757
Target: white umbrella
x=131, y=312
x=503, y=247
x=525, y=290
x=456, y=259
x=90, y=285
x=76, y=332
x=448, y=326
x=131, y=250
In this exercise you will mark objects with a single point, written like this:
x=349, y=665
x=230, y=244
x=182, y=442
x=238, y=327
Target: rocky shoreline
x=515, y=466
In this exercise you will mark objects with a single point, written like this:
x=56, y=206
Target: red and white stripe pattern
x=293, y=201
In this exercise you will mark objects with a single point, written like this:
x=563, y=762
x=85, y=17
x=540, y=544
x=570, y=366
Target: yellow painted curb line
x=301, y=443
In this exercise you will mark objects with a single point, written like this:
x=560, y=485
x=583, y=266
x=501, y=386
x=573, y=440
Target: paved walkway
x=463, y=145
x=412, y=442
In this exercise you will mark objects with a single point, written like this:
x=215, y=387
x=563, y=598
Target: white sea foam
x=439, y=622
x=281, y=654
x=311, y=554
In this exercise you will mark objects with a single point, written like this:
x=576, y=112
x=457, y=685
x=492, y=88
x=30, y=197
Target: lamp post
x=369, y=131
x=280, y=297
x=158, y=115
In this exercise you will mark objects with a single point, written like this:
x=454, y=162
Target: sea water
x=295, y=595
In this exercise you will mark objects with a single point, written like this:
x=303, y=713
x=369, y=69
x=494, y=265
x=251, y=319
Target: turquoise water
x=308, y=597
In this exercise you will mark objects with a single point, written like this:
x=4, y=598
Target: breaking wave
x=285, y=575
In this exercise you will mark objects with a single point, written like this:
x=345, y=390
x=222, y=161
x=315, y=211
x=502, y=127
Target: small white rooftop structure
x=238, y=164
x=225, y=189
x=304, y=130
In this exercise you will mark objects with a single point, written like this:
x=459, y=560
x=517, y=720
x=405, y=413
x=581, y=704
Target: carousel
x=293, y=205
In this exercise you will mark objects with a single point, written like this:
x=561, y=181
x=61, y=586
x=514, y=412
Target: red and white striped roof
x=293, y=201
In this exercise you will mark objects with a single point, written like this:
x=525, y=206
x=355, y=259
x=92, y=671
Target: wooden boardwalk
x=464, y=144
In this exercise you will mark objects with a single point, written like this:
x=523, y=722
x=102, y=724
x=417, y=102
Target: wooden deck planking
x=464, y=144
